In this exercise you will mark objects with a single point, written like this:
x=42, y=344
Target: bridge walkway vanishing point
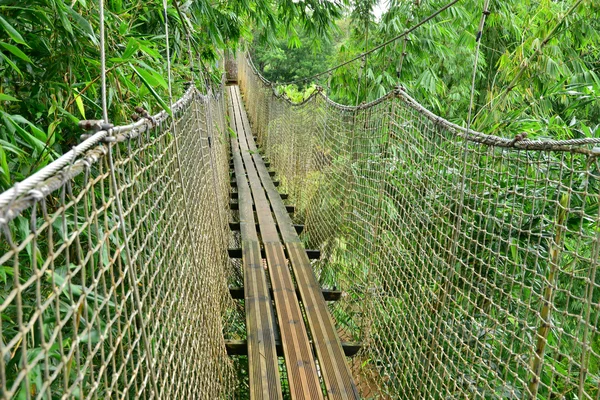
x=255, y=187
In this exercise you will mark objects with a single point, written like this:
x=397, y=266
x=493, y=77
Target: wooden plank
x=301, y=367
x=238, y=253
x=239, y=348
x=237, y=293
x=263, y=362
x=234, y=195
x=334, y=368
x=235, y=226
x=234, y=205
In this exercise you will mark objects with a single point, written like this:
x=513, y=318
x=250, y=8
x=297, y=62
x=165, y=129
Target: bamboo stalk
x=546, y=311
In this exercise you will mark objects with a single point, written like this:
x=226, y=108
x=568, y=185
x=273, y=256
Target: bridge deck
x=264, y=371
x=255, y=185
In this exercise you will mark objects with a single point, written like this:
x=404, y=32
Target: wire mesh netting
x=468, y=262
x=113, y=266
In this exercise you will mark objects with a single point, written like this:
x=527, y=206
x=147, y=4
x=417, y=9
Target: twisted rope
x=132, y=276
x=567, y=145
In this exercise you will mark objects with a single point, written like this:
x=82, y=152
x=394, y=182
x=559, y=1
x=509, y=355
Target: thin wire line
x=165, y=11
x=176, y=134
x=103, y=63
x=405, y=33
x=119, y=204
x=476, y=62
x=447, y=285
x=494, y=102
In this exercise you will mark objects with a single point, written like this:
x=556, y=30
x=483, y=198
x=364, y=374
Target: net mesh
x=95, y=306
x=468, y=263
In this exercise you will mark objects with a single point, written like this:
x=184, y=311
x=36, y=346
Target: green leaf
x=61, y=7
x=12, y=64
x=79, y=102
x=4, y=167
x=51, y=129
x=5, y=97
x=132, y=47
x=34, y=142
x=11, y=148
x=151, y=89
x=149, y=51
x=149, y=74
x=40, y=134
x=123, y=28
x=12, y=32
x=16, y=51
x=83, y=24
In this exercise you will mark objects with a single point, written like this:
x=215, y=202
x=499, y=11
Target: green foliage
x=538, y=69
x=294, y=58
x=528, y=232
x=49, y=62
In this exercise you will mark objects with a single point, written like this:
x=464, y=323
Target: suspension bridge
x=240, y=245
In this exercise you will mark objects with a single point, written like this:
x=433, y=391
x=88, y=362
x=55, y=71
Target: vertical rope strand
x=484, y=15
x=132, y=275
x=454, y=245
x=169, y=75
x=457, y=223
x=402, y=56
x=176, y=134
x=103, y=63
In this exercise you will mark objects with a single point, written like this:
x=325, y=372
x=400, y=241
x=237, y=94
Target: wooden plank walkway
x=264, y=370
x=306, y=379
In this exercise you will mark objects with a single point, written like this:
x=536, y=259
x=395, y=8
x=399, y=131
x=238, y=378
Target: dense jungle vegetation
x=50, y=66
x=527, y=224
x=538, y=72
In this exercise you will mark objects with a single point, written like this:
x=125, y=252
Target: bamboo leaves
x=15, y=51
x=147, y=79
x=12, y=32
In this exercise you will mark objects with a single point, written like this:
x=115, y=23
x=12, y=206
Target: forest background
x=538, y=70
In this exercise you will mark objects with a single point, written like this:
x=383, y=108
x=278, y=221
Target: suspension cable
x=175, y=132
x=494, y=102
x=169, y=76
x=447, y=285
x=484, y=15
x=103, y=63
x=132, y=275
x=384, y=44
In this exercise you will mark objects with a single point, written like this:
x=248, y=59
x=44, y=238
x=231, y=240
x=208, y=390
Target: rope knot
x=92, y=126
x=142, y=111
x=86, y=163
x=36, y=194
x=519, y=137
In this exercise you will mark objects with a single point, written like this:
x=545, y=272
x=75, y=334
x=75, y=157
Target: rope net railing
x=98, y=307
x=468, y=263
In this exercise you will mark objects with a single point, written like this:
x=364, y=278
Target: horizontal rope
x=9, y=196
x=474, y=136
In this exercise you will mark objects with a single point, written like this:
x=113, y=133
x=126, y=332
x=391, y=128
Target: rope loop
x=36, y=195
